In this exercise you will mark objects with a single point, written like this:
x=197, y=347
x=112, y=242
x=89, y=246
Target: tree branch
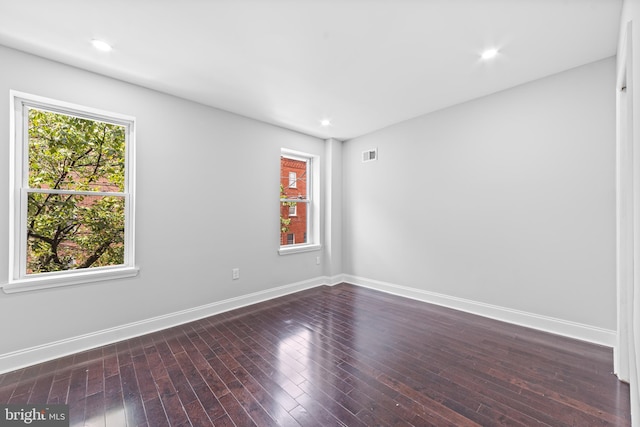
x=97, y=253
x=49, y=240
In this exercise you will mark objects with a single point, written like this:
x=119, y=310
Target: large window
x=72, y=204
x=298, y=202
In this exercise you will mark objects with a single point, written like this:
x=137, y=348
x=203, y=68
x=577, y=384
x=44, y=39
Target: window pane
x=71, y=153
x=296, y=169
x=293, y=227
x=295, y=199
x=66, y=232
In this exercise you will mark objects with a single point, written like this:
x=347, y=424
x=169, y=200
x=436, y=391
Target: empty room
x=452, y=243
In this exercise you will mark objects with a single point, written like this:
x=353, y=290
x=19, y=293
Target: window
x=299, y=210
x=72, y=194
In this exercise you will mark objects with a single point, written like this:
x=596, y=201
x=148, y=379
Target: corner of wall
x=333, y=263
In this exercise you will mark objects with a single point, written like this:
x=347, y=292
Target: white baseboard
x=547, y=324
x=42, y=353
x=53, y=350
x=334, y=280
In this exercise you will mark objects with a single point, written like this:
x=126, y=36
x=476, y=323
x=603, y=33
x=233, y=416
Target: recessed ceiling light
x=101, y=45
x=489, y=54
x=325, y=122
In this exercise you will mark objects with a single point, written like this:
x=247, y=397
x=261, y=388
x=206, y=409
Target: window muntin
x=72, y=204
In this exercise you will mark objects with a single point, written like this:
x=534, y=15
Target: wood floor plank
x=94, y=414
x=333, y=356
x=155, y=413
x=113, y=402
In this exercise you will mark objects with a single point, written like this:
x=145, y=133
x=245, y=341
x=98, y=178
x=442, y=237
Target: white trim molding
x=49, y=351
x=19, y=279
x=334, y=280
x=53, y=350
x=531, y=320
x=51, y=280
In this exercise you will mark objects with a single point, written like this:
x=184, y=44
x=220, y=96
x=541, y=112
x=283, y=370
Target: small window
x=72, y=198
x=299, y=210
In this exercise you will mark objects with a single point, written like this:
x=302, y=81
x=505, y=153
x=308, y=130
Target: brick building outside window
x=293, y=215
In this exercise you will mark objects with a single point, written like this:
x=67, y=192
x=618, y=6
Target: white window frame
x=293, y=210
x=293, y=180
x=312, y=201
x=18, y=279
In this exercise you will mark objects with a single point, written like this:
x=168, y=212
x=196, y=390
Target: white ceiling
x=363, y=64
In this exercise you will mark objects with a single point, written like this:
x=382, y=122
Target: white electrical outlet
x=317, y=260
x=235, y=273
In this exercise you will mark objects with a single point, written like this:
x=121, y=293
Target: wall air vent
x=370, y=155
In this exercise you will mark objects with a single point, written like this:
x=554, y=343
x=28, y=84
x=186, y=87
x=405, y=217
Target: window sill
x=54, y=280
x=295, y=249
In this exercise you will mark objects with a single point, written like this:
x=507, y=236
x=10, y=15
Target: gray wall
x=207, y=185
x=507, y=200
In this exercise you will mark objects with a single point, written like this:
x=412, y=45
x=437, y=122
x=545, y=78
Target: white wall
x=507, y=201
x=207, y=201
x=627, y=355
x=333, y=211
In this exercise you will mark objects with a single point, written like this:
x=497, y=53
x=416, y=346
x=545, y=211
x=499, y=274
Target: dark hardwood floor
x=333, y=356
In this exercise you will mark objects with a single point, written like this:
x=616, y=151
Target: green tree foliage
x=285, y=221
x=70, y=231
